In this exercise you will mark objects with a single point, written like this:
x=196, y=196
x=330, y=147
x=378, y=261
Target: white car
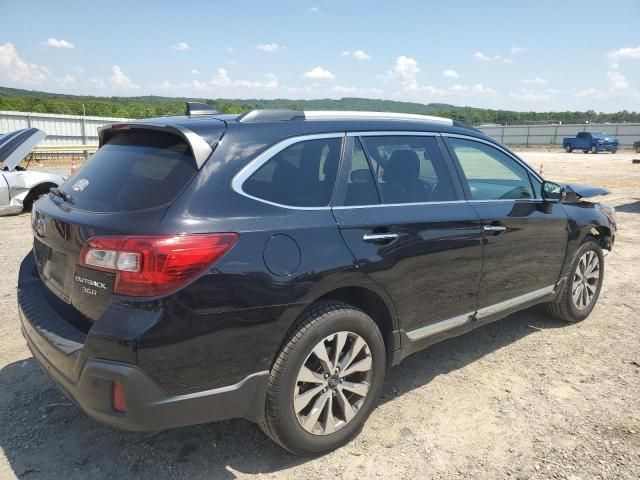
x=19, y=187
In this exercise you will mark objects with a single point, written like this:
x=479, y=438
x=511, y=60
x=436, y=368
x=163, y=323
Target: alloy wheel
x=332, y=383
x=586, y=279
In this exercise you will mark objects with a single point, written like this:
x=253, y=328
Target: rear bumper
x=58, y=347
x=148, y=407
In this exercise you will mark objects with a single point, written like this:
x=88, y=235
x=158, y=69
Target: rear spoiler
x=200, y=148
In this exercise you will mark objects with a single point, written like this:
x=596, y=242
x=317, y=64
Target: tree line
x=155, y=106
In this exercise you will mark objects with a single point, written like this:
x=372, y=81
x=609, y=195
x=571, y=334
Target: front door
x=524, y=238
x=404, y=218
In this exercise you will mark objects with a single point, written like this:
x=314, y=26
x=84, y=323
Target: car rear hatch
x=124, y=189
x=14, y=146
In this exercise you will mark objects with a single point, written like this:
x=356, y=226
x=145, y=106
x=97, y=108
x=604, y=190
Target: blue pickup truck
x=591, y=142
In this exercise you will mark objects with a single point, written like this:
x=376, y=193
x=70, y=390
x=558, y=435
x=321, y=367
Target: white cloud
x=357, y=54
x=222, y=79
x=66, y=81
x=406, y=69
x=497, y=58
x=319, y=73
x=480, y=88
x=229, y=50
x=97, y=83
x=195, y=71
x=517, y=50
x=458, y=88
x=52, y=42
x=180, y=46
x=617, y=81
x=534, y=81
x=626, y=53
x=221, y=82
x=270, y=47
x=314, y=9
x=450, y=74
x=17, y=70
x=119, y=80
x=527, y=95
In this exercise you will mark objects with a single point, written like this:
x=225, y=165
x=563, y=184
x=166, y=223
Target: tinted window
x=409, y=169
x=490, y=173
x=301, y=175
x=134, y=170
x=361, y=189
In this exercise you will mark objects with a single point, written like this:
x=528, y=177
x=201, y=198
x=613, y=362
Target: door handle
x=379, y=237
x=494, y=228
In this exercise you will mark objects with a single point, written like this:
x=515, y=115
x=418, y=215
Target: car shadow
x=632, y=207
x=44, y=436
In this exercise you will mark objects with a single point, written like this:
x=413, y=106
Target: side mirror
x=553, y=193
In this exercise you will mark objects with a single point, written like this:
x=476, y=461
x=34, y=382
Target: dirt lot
x=526, y=397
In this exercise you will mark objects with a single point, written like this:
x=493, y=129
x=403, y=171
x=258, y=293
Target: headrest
x=402, y=166
x=361, y=176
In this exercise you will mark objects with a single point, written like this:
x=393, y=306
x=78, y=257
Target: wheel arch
x=35, y=190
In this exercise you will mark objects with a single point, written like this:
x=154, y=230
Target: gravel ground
x=525, y=397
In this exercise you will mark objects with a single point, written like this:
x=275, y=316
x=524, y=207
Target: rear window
x=134, y=170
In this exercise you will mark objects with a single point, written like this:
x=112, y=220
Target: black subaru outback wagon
x=272, y=265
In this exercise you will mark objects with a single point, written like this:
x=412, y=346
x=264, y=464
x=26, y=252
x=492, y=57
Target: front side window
x=490, y=173
x=301, y=175
x=409, y=169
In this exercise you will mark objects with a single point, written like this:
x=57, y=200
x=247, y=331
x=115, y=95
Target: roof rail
x=270, y=115
x=275, y=115
x=412, y=117
x=199, y=108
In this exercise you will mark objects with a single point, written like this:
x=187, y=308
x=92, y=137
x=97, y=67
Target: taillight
x=156, y=264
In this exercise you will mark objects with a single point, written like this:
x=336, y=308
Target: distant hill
x=153, y=106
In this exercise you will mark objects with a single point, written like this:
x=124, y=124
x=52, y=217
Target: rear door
x=125, y=188
x=524, y=238
x=404, y=218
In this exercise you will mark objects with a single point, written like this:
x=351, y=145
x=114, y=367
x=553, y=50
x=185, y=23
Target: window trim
x=268, y=154
x=509, y=154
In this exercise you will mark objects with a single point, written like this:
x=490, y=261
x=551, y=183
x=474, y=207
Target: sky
x=538, y=55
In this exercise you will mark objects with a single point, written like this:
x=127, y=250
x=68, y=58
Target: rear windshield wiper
x=63, y=195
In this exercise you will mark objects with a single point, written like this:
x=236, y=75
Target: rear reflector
x=154, y=265
x=119, y=402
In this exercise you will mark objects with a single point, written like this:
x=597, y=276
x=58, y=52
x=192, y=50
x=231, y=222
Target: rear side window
x=134, y=170
x=301, y=175
x=409, y=169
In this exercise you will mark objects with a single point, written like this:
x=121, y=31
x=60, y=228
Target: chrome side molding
x=514, y=302
x=439, y=327
x=448, y=324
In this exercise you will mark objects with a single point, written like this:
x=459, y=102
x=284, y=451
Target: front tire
x=582, y=289
x=326, y=380
x=594, y=149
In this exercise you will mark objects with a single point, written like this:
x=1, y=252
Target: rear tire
x=637, y=149
x=584, y=282
x=568, y=148
x=317, y=402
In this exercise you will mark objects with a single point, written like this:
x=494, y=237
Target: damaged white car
x=20, y=187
